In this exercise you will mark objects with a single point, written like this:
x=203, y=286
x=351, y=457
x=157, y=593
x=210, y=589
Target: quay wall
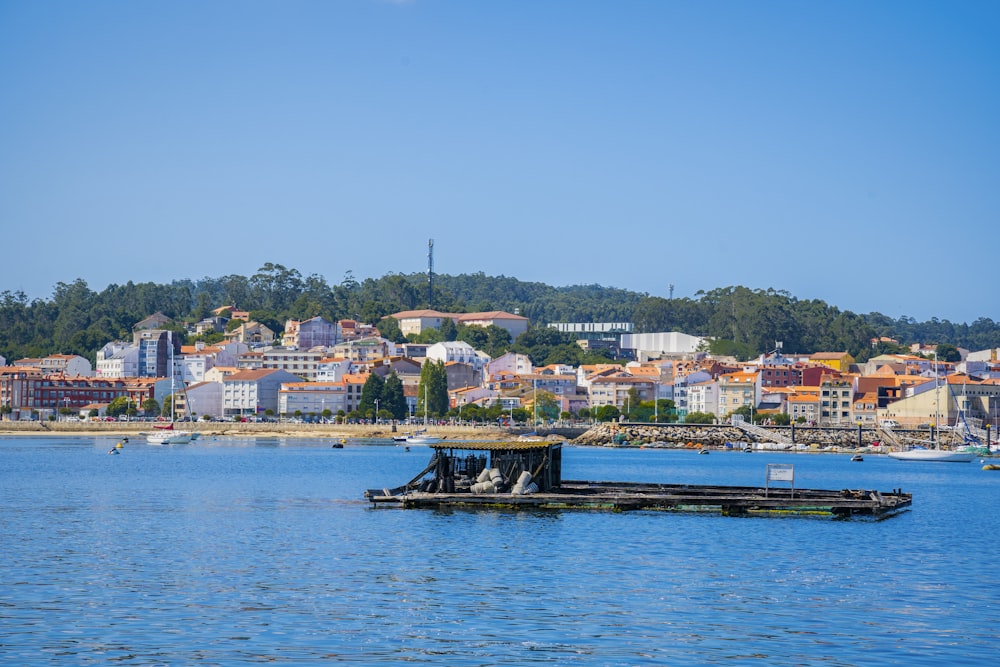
x=717, y=435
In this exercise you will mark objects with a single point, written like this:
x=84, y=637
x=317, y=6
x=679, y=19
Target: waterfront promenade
x=628, y=434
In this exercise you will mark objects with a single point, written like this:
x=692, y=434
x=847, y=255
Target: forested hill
x=77, y=320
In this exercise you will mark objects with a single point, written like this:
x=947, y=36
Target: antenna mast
x=430, y=273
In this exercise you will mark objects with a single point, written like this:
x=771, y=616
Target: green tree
x=389, y=329
x=747, y=413
x=370, y=393
x=948, y=352
x=699, y=418
x=167, y=408
x=429, y=337
x=151, y=407
x=432, y=396
x=606, y=413
x=393, y=397
x=118, y=406
x=546, y=406
x=448, y=329
x=666, y=410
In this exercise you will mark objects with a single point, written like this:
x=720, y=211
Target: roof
x=461, y=317
x=491, y=315
x=251, y=375
x=828, y=355
x=498, y=445
x=410, y=314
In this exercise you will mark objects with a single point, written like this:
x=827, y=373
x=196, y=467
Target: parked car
x=890, y=423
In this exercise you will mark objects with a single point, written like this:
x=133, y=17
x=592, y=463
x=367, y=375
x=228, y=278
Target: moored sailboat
x=165, y=434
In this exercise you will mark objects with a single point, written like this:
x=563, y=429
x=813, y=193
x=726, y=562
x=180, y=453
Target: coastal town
x=316, y=371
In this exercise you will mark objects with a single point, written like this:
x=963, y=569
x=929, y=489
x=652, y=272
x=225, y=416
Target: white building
x=312, y=398
x=511, y=362
x=315, y=332
x=248, y=393
x=412, y=322
x=652, y=345
x=117, y=360
x=703, y=397
x=681, y=385
x=69, y=365
x=200, y=399
x=458, y=351
x=333, y=369
x=365, y=350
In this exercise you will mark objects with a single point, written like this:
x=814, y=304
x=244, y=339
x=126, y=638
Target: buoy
x=112, y=451
x=118, y=446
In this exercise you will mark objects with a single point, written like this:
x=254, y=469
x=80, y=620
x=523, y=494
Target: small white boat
x=169, y=437
x=421, y=439
x=942, y=455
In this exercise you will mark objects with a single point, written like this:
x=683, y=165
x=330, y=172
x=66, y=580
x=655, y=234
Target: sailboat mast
x=937, y=398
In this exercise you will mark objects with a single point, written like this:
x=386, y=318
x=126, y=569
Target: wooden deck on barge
x=455, y=468
x=619, y=497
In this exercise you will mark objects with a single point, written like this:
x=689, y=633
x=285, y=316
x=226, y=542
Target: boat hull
x=941, y=455
x=422, y=440
x=169, y=438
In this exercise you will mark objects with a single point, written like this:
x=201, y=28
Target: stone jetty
x=717, y=435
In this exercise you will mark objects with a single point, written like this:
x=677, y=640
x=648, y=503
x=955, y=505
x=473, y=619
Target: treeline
x=744, y=322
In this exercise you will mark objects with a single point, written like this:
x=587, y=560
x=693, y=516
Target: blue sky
x=845, y=151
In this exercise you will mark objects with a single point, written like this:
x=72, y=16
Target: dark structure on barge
x=529, y=475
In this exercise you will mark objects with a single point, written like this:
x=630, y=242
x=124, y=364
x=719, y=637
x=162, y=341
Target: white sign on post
x=780, y=472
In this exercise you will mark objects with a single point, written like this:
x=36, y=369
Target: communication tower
x=430, y=273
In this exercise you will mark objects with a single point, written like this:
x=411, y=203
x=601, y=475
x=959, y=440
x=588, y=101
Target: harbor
x=523, y=475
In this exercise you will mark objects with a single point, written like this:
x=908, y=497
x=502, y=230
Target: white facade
x=315, y=332
x=192, y=367
x=118, y=360
x=204, y=398
x=703, y=397
x=248, y=393
x=656, y=344
x=458, y=351
x=511, y=362
x=67, y=364
x=365, y=350
x=312, y=398
x=333, y=370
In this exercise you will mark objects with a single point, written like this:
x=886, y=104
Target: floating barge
x=528, y=475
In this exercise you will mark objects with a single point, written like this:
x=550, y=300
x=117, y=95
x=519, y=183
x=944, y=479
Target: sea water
x=252, y=551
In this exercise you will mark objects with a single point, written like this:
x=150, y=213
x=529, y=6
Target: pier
x=527, y=475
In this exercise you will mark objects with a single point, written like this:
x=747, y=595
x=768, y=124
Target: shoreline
x=206, y=429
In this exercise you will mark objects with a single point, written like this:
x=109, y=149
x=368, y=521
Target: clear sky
x=844, y=151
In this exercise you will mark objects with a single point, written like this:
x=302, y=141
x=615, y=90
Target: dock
x=527, y=475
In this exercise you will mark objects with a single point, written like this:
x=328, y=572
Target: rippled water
x=251, y=551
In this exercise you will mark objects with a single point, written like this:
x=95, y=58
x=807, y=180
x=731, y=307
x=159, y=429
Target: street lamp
x=534, y=402
x=656, y=401
x=376, y=410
